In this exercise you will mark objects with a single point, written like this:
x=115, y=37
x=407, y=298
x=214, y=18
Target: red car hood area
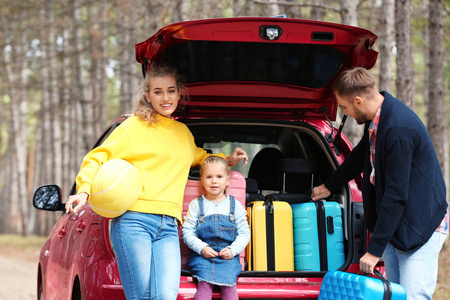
x=276, y=68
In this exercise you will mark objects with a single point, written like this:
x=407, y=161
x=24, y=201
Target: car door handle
x=81, y=226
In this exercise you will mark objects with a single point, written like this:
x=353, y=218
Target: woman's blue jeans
x=415, y=271
x=147, y=250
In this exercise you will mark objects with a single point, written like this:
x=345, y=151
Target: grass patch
x=26, y=248
x=31, y=242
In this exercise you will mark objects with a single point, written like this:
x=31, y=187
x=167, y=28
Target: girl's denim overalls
x=218, y=231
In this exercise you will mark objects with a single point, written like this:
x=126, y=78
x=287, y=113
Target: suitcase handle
x=387, y=285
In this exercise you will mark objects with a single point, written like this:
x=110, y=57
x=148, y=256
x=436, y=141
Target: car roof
x=260, y=67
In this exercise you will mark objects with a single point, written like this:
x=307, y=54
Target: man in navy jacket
x=403, y=188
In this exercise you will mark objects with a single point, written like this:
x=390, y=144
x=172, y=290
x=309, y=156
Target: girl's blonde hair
x=214, y=160
x=141, y=107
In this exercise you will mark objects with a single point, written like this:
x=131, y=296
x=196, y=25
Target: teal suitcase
x=337, y=285
x=318, y=236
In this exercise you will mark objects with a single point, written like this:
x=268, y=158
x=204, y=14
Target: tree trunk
x=317, y=12
x=404, y=82
x=426, y=56
x=436, y=116
x=250, y=8
x=49, y=154
x=127, y=67
x=81, y=94
x=271, y=9
x=97, y=75
x=5, y=156
x=8, y=208
x=349, y=12
x=17, y=88
x=238, y=8
x=70, y=163
x=352, y=130
x=291, y=11
x=14, y=23
x=4, y=125
x=206, y=9
x=386, y=44
x=181, y=12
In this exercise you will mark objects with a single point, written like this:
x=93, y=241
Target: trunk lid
x=276, y=68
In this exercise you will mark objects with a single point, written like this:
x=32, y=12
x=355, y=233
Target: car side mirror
x=48, y=197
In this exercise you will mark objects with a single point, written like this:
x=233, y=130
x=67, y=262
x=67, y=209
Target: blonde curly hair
x=144, y=109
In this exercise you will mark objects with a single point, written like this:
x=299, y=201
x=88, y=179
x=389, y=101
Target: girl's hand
x=79, y=200
x=209, y=252
x=225, y=253
x=237, y=155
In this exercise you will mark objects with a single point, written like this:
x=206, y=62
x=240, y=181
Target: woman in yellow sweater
x=145, y=238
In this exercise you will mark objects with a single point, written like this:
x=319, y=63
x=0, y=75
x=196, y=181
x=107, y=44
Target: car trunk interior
x=267, y=143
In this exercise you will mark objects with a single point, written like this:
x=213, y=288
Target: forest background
x=67, y=68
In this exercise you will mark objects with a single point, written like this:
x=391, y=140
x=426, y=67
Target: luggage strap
x=387, y=285
x=270, y=230
x=321, y=221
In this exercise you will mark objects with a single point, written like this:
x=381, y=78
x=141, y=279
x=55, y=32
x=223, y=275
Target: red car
x=255, y=83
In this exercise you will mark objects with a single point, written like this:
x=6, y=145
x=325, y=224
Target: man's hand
x=209, y=252
x=237, y=155
x=320, y=192
x=225, y=253
x=368, y=262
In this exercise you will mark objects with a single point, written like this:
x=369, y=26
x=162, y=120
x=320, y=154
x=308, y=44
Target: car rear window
x=305, y=65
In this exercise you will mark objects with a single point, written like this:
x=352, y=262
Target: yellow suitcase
x=271, y=246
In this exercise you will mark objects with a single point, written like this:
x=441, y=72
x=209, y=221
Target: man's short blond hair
x=354, y=82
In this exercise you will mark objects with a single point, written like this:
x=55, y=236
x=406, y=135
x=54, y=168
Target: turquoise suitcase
x=318, y=236
x=339, y=285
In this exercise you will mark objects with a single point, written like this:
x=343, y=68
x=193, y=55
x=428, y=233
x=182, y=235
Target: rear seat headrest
x=251, y=185
x=263, y=166
x=296, y=166
x=297, y=173
x=252, y=191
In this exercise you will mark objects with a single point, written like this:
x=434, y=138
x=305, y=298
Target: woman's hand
x=209, y=252
x=237, y=155
x=78, y=200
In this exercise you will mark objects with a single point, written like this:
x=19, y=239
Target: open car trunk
x=264, y=84
x=266, y=143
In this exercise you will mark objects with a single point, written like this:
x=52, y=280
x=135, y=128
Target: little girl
x=216, y=230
